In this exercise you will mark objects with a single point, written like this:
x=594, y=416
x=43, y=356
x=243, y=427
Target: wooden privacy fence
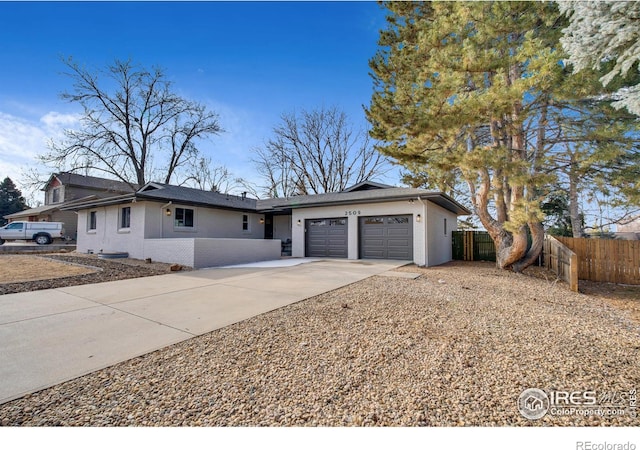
x=605, y=260
x=561, y=260
x=473, y=246
x=608, y=260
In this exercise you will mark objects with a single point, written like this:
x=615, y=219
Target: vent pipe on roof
x=243, y=195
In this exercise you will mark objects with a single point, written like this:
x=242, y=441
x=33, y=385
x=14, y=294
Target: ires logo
x=535, y=403
x=577, y=398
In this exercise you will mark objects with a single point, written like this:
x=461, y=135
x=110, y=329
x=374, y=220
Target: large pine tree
x=464, y=89
x=11, y=199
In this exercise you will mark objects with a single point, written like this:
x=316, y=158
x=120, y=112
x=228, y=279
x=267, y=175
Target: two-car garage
x=379, y=237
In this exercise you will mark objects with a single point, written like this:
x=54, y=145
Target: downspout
x=162, y=218
x=426, y=235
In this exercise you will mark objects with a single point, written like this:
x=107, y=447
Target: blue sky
x=248, y=61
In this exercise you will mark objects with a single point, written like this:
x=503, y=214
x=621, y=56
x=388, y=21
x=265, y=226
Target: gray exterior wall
x=208, y=223
x=282, y=227
x=203, y=252
x=152, y=234
x=439, y=244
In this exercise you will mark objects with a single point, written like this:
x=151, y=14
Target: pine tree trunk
x=574, y=209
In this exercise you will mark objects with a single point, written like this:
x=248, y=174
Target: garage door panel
x=398, y=232
x=386, y=237
x=377, y=254
x=326, y=237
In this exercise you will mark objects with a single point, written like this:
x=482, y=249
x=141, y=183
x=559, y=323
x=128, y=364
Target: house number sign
x=353, y=212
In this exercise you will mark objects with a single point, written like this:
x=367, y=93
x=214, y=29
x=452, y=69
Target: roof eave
x=127, y=198
x=449, y=203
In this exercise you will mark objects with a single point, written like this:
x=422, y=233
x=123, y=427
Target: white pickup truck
x=41, y=232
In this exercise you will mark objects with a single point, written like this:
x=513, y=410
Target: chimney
x=244, y=195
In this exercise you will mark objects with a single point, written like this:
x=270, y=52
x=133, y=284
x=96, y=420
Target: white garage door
x=386, y=237
x=326, y=237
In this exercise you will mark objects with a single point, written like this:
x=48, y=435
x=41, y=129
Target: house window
x=445, y=227
x=93, y=220
x=245, y=222
x=55, y=195
x=184, y=217
x=125, y=217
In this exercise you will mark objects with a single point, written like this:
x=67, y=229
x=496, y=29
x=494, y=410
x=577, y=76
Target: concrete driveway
x=50, y=336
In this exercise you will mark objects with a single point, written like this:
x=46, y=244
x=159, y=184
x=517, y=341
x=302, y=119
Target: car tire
x=43, y=239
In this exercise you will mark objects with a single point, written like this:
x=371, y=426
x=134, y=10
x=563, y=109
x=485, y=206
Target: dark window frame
x=125, y=217
x=245, y=222
x=184, y=218
x=92, y=221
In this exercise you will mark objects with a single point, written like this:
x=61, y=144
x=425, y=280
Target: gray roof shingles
x=74, y=179
x=159, y=191
x=180, y=194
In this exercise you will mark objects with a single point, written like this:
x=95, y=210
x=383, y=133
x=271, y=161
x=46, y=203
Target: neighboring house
x=629, y=229
x=65, y=189
x=202, y=229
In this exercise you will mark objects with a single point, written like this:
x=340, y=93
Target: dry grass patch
x=19, y=268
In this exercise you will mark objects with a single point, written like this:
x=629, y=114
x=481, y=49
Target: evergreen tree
x=11, y=200
x=465, y=88
x=606, y=33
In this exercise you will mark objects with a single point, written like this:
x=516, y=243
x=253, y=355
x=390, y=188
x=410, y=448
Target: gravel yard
x=456, y=346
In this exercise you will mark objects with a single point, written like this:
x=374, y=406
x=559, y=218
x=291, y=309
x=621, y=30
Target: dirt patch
x=19, y=268
x=91, y=270
x=621, y=296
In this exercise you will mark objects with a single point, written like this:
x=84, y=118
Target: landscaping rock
x=385, y=351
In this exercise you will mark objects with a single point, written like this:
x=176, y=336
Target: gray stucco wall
x=439, y=245
x=282, y=227
x=208, y=223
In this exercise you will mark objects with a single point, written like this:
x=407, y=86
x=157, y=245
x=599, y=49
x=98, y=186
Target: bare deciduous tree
x=314, y=152
x=207, y=176
x=133, y=127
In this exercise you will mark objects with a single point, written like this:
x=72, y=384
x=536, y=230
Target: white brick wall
x=176, y=250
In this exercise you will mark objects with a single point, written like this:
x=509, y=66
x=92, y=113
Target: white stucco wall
x=430, y=245
x=352, y=212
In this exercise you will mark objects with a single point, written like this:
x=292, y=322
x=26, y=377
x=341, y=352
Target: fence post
x=573, y=272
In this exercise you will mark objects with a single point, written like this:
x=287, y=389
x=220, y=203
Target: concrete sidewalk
x=50, y=336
